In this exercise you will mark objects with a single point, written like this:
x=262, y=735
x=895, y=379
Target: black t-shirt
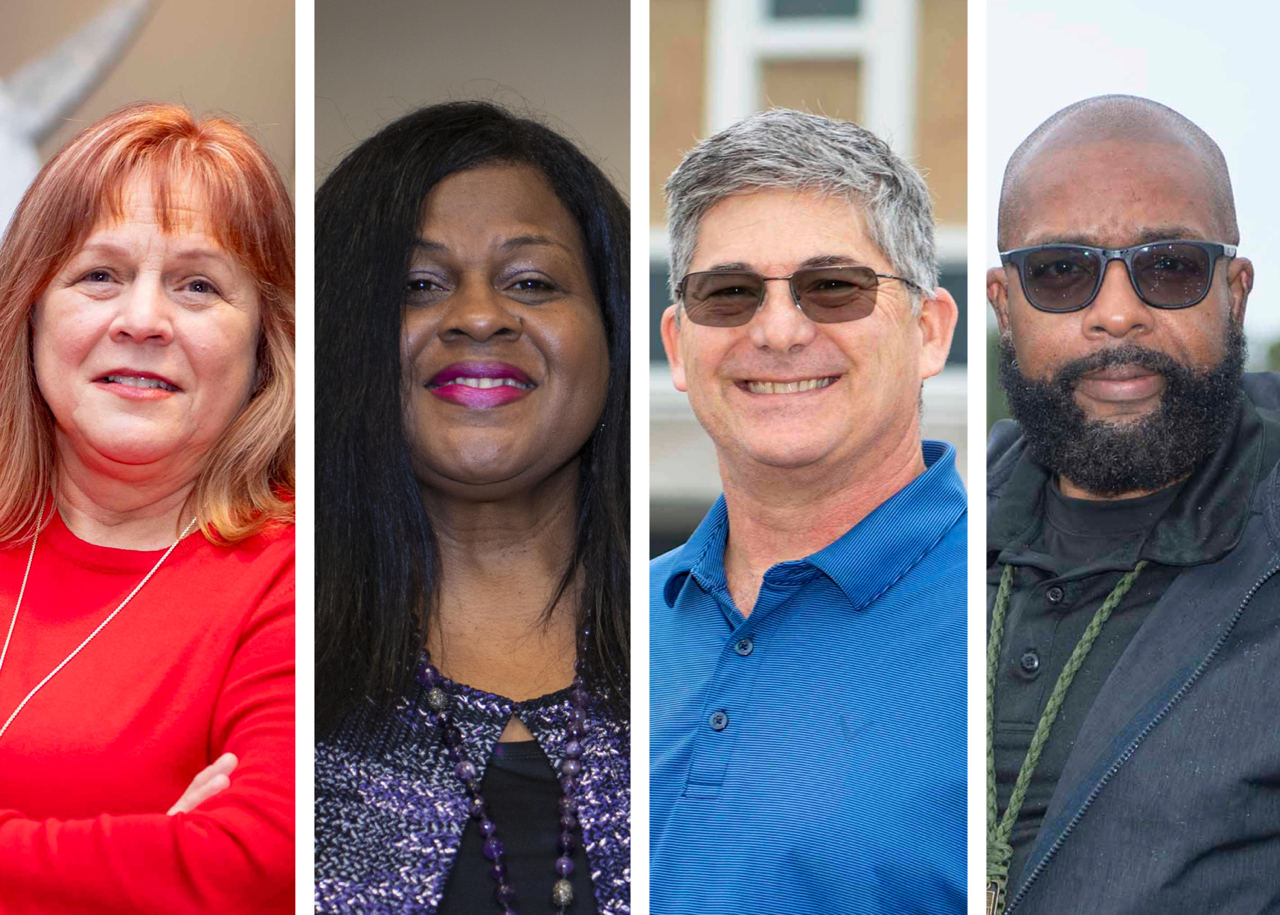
x=1059, y=583
x=523, y=796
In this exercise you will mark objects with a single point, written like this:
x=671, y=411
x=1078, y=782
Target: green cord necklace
x=999, y=852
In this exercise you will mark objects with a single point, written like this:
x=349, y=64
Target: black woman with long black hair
x=472, y=467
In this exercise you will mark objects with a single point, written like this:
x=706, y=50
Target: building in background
x=898, y=67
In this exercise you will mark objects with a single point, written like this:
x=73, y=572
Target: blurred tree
x=997, y=407
x=1273, y=357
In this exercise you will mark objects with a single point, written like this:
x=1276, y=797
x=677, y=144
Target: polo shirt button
x=744, y=647
x=1055, y=595
x=1029, y=662
x=719, y=721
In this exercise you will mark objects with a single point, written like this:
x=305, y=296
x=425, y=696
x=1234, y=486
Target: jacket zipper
x=1124, y=757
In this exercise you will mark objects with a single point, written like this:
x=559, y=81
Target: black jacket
x=1170, y=799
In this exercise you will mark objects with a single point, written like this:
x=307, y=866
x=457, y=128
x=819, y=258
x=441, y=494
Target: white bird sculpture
x=35, y=99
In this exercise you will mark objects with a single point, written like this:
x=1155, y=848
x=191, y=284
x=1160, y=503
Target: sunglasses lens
x=1172, y=276
x=830, y=295
x=721, y=299
x=1060, y=279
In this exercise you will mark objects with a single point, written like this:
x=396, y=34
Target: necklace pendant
x=562, y=893
x=995, y=902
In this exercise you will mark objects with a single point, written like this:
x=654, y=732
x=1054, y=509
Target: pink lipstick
x=480, y=384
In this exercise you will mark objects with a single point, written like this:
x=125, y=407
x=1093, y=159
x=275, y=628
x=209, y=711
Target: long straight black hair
x=377, y=564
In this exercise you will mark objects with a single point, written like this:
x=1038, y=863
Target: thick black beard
x=1197, y=409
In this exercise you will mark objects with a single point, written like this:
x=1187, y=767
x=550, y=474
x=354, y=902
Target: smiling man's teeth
x=489, y=383
x=133, y=382
x=787, y=387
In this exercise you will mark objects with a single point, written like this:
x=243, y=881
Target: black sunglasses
x=826, y=295
x=1164, y=274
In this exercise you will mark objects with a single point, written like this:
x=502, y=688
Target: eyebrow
x=519, y=241
x=829, y=260
x=202, y=252
x=524, y=241
x=194, y=252
x=818, y=260
x=1143, y=236
x=104, y=247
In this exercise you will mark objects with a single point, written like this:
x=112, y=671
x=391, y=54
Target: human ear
x=937, y=322
x=998, y=297
x=1240, y=283
x=671, y=343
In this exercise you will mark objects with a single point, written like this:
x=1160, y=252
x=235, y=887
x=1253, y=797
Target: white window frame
x=742, y=37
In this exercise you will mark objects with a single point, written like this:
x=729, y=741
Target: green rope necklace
x=999, y=852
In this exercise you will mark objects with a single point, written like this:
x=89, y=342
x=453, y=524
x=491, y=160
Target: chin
x=1120, y=415
x=125, y=439
x=478, y=473
x=133, y=452
x=471, y=459
x=488, y=475
x=1123, y=419
x=786, y=452
x=466, y=485
x=793, y=441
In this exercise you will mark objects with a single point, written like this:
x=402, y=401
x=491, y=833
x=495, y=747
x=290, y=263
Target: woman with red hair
x=146, y=525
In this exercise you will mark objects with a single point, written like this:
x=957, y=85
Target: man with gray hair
x=807, y=644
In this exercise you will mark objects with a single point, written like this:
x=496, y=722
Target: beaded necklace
x=467, y=773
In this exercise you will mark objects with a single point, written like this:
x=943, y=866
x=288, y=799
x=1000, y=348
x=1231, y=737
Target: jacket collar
x=866, y=560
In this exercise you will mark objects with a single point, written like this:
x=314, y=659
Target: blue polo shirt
x=810, y=758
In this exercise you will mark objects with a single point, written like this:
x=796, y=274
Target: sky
x=1214, y=62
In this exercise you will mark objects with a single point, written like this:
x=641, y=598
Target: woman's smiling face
x=504, y=358
x=145, y=342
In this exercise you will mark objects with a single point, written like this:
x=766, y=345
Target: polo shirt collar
x=709, y=538
x=871, y=556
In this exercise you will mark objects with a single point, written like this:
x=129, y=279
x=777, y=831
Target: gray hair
x=795, y=150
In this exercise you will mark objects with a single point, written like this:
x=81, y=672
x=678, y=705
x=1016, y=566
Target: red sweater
x=199, y=663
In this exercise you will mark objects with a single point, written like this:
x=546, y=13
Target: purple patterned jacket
x=390, y=812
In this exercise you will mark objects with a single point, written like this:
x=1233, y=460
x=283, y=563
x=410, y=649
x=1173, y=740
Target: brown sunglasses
x=826, y=295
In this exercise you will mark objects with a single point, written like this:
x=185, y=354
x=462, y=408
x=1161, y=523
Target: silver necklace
x=65, y=661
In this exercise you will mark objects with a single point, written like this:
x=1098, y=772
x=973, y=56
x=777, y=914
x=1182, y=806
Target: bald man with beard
x=1133, y=542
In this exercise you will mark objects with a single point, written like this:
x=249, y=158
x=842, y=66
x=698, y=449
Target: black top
x=1059, y=583
x=523, y=796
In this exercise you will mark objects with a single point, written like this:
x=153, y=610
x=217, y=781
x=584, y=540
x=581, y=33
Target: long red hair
x=248, y=479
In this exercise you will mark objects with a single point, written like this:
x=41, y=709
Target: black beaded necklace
x=468, y=774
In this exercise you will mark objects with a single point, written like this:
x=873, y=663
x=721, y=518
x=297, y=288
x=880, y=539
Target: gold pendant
x=993, y=898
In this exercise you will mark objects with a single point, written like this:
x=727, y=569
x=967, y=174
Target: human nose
x=779, y=324
x=1117, y=311
x=145, y=313
x=480, y=313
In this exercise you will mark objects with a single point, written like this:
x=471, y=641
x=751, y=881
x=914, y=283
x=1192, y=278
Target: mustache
x=1196, y=413
x=1124, y=354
